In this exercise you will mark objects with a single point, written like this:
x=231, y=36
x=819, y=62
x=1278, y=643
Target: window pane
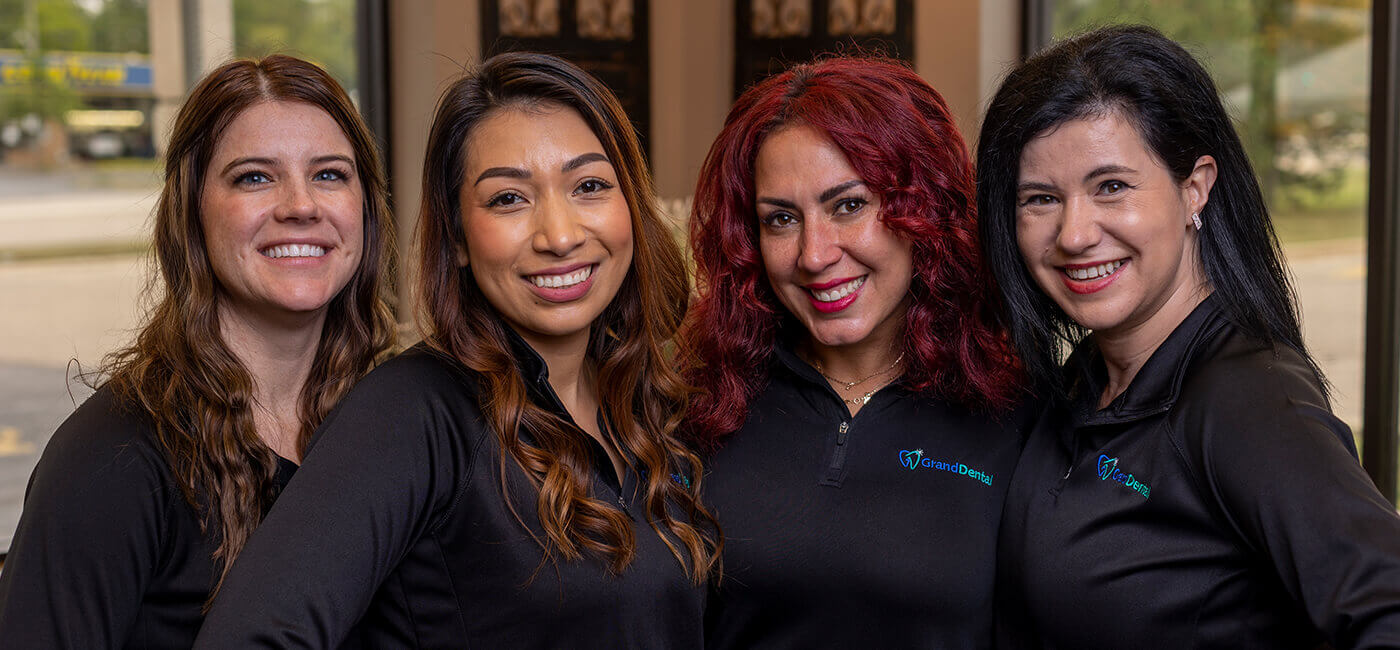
x=1295, y=75
x=81, y=121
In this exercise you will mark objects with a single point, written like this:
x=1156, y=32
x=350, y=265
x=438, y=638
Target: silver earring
x=1196, y=219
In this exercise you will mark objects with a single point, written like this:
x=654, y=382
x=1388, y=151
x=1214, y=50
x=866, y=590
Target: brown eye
x=504, y=200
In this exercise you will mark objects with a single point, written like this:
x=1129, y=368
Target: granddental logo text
x=915, y=459
x=1108, y=471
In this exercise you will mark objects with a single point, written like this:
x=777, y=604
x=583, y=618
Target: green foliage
x=64, y=26
x=322, y=31
x=122, y=27
x=1248, y=45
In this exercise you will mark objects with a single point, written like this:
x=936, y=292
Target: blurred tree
x=1244, y=44
x=121, y=27
x=64, y=26
x=322, y=31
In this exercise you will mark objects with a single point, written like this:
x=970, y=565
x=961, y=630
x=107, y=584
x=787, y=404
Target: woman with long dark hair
x=272, y=234
x=1189, y=487
x=853, y=377
x=513, y=481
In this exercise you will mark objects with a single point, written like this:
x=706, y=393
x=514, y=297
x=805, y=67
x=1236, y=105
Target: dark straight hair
x=1158, y=87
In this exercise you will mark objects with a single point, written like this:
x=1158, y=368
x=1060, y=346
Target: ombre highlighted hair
x=642, y=396
x=900, y=138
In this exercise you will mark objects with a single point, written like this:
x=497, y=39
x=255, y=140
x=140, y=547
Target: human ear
x=1198, y=184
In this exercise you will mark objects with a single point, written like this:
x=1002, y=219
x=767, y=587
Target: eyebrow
x=1109, y=169
x=834, y=190
x=516, y=172
x=827, y=195
x=502, y=172
x=258, y=160
x=583, y=160
x=1104, y=170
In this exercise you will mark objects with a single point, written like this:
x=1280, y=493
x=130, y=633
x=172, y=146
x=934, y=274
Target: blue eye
x=252, y=178
x=331, y=175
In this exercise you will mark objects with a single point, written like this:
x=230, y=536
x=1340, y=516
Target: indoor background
x=88, y=89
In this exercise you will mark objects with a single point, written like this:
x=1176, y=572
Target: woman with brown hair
x=271, y=236
x=514, y=480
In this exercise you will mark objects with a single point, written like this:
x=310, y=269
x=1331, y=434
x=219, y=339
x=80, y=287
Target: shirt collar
x=1156, y=386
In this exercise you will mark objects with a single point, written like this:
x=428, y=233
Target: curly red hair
x=899, y=136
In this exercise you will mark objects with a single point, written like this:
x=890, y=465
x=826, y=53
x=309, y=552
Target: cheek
x=1030, y=241
x=778, y=254
x=616, y=230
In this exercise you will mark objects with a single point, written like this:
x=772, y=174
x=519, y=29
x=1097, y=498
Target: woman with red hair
x=854, y=380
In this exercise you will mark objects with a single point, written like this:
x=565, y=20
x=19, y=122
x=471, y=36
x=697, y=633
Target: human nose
x=820, y=245
x=296, y=203
x=558, y=227
x=1079, y=228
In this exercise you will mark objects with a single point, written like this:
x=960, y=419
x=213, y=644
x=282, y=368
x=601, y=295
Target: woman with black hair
x=1188, y=486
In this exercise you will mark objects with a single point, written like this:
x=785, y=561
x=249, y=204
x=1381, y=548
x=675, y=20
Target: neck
x=1125, y=351
x=278, y=354
x=850, y=362
x=566, y=357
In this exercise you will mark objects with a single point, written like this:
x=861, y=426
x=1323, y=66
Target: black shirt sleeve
x=1282, y=471
x=91, y=536
x=382, y=469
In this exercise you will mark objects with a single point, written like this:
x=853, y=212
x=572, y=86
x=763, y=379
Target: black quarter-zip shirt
x=397, y=520
x=876, y=531
x=1216, y=503
x=108, y=553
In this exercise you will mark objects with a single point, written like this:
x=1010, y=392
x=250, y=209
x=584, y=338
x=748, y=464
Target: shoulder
x=417, y=370
x=1243, y=397
x=420, y=390
x=107, y=443
x=1238, y=376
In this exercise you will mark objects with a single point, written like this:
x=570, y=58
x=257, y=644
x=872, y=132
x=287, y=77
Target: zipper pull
x=841, y=433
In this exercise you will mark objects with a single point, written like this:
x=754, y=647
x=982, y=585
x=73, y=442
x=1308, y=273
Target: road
x=53, y=311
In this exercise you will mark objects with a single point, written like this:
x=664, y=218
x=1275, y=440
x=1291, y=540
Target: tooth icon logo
x=910, y=459
x=1106, y=466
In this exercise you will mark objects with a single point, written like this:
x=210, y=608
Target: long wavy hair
x=1159, y=88
x=181, y=372
x=644, y=397
x=899, y=136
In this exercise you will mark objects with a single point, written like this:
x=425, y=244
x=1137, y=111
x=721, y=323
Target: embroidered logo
x=915, y=460
x=1108, y=471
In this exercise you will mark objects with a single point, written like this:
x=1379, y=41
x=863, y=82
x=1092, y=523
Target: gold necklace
x=867, y=397
x=852, y=384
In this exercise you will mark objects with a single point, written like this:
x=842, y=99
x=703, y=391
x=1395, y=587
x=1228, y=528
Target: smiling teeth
x=839, y=291
x=560, y=281
x=1094, y=272
x=294, y=250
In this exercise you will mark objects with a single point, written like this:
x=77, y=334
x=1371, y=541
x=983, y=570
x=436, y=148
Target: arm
x=1283, y=470
x=369, y=488
x=94, y=525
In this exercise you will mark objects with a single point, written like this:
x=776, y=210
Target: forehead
x=543, y=136
x=800, y=155
x=1088, y=141
x=279, y=129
